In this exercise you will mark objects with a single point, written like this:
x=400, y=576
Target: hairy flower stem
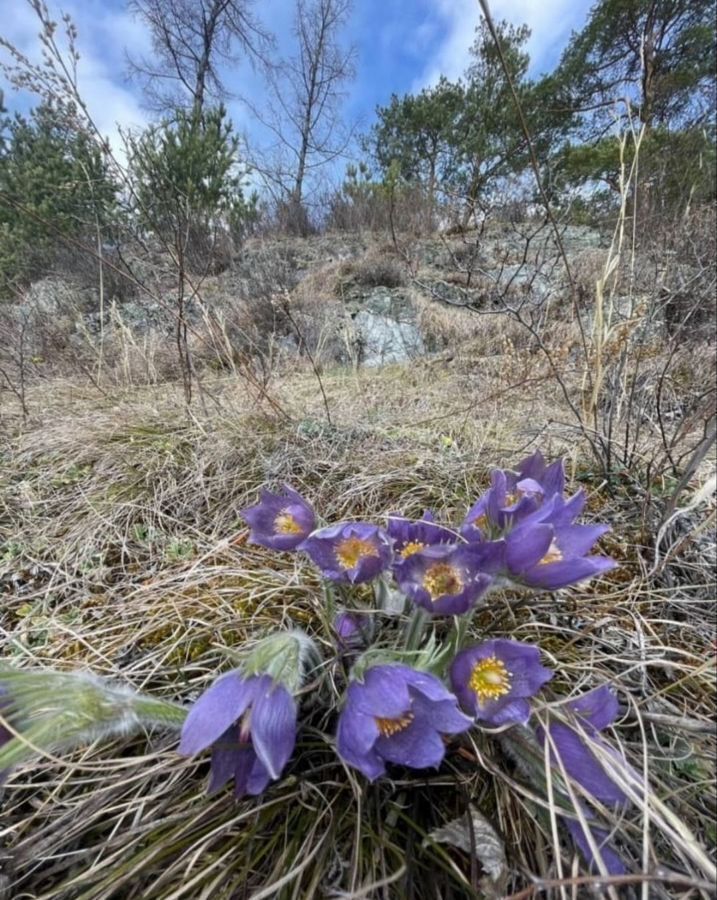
x=459, y=635
x=329, y=600
x=415, y=628
x=152, y=711
x=456, y=640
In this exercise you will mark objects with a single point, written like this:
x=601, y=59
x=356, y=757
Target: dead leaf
x=475, y=836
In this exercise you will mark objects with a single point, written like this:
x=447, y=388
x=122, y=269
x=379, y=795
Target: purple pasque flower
x=353, y=630
x=494, y=680
x=558, y=511
x=513, y=496
x=550, y=478
x=550, y=557
x=280, y=521
x=411, y=537
x=445, y=579
x=351, y=552
x=570, y=746
x=250, y=724
x=572, y=749
x=501, y=507
x=399, y=715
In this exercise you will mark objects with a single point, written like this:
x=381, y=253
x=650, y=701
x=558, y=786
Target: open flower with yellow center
x=352, y=552
x=397, y=715
x=549, y=557
x=280, y=521
x=494, y=680
x=445, y=579
x=411, y=537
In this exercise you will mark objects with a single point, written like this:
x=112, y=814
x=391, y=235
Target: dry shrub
x=319, y=315
x=117, y=267
x=409, y=211
x=586, y=268
x=683, y=255
x=374, y=269
x=445, y=327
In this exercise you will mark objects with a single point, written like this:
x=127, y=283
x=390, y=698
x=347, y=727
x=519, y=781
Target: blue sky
x=402, y=46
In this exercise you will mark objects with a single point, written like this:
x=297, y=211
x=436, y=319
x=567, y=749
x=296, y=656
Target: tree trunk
x=316, y=57
x=209, y=27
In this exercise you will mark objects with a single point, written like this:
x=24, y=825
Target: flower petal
x=530, y=487
x=577, y=540
x=526, y=546
x=418, y=746
x=553, y=479
x=218, y=707
x=355, y=736
x=532, y=466
x=443, y=715
x=523, y=663
x=245, y=761
x=273, y=725
x=225, y=753
x=600, y=707
x=611, y=859
x=458, y=604
x=503, y=712
x=257, y=778
x=384, y=692
x=582, y=764
x=553, y=576
x=358, y=729
x=427, y=684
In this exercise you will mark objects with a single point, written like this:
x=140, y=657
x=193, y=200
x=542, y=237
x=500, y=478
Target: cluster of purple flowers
x=393, y=713
x=522, y=532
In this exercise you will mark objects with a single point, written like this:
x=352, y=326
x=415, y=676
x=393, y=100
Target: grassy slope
x=124, y=552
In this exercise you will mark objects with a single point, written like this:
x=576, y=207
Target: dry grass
x=123, y=552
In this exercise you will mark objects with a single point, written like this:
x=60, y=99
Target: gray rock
x=381, y=327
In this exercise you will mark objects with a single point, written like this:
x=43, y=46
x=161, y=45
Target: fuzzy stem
x=415, y=628
x=152, y=711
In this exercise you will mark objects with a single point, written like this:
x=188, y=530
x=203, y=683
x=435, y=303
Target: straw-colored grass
x=123, y=552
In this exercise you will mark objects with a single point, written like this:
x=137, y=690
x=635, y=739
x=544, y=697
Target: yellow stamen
x=285, y=523
x=441, y=579
x=554, y=554
x=481, y=522
x=411, y=548
x=389, y=727
x=489, y=679
x=352, y=550
x=512, y=499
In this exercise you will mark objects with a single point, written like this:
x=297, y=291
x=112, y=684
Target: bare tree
x=190, y=39
x=303, y=111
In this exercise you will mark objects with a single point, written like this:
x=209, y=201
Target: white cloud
x=101, y=41
x=550, y=22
